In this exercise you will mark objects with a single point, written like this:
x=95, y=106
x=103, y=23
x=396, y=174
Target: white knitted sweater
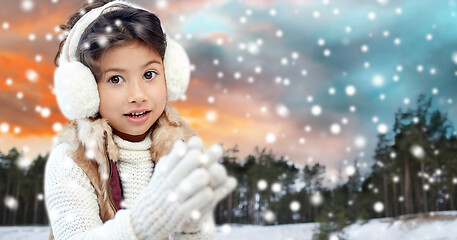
x=71, y=200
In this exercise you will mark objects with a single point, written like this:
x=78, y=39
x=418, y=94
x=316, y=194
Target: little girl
x=127, y=166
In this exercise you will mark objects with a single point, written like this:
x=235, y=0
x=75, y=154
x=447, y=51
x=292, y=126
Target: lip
x=138, y=120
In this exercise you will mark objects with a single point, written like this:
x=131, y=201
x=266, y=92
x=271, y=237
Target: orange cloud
x=21, y=112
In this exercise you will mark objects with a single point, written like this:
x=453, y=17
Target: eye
x=116, y=79
x=149, y=75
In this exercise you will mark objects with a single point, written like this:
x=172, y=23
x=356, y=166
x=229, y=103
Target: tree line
x=414, y=171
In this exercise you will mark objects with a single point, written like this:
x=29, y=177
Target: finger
x=198, y=201
x=195, y=142
x=188, y=163
x=197, y=180
x=168, y=162
x=214, y=153
x=218, y=174
x=225, y=189
x=220, y=193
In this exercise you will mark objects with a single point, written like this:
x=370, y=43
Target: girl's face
x=132, y=89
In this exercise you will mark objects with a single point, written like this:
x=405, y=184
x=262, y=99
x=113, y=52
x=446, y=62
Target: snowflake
x=262, y=184
x=268, y=216
x=417, y=151
x=45, y=112
x=11, y=202
x=4, y=127
x=327, y=52
x=454, y=57
x=378, y=207
x=279, y=33
x=350, y=170
x=316, y=199
x=27, y=5
x=273, y=12
x=276, y=187
x=32, y=37
x=226, y=228
x=396, y=179
x=31, y=75
x=282, y=110
x=5, y=25
x=316, y=110
x=350, y=90
x=48, y=37
x=270, y=138
x=17, y=130
x=211, y=116
x=38, y=58
x=371, y=15
x=397, y=41
x=162, y=4
x=335, y=128
x=195, y=214
x=360, y=142
x=382, y=128
x=294, y=206
x=378, y=80
x=429, y=37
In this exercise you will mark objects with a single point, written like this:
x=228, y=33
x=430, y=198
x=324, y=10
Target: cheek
x=163, y=95
x=107, y=103
x=159, y=92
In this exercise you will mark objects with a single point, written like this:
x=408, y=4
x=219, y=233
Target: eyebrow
x=123, y=70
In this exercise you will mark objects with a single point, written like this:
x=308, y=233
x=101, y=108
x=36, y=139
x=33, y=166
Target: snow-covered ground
x=440, y=226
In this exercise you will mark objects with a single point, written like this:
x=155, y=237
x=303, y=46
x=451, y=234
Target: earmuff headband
x=75, y=85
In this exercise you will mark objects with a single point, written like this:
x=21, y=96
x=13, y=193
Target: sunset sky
x=314, y=81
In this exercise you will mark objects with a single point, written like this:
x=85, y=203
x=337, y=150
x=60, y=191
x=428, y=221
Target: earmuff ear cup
x=76, y=90
x=177, y=70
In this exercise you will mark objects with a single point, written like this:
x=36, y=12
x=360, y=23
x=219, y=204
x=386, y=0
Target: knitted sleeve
x=72, y=203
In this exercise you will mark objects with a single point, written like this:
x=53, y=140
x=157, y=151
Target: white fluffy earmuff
x=76, y=87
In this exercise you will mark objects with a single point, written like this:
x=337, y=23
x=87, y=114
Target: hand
x=219, y=182
x=179, y=185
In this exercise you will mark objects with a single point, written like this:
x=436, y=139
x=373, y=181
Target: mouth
x=137, y=114
x=138, y=117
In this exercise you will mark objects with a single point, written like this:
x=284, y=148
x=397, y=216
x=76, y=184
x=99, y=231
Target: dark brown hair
x=113, y=28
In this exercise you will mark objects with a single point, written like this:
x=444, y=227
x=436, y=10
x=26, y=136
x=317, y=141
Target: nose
x=137, y=92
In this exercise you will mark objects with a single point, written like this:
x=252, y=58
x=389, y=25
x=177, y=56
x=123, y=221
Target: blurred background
x=327, y=109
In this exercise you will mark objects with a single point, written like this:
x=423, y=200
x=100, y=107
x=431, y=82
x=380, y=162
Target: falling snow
x=291, y=79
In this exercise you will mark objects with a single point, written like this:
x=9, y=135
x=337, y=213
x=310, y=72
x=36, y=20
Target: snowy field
x=441, y=226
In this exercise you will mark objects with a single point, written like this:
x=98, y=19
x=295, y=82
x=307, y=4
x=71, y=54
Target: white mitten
x=220, y=183
x=179, y=186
